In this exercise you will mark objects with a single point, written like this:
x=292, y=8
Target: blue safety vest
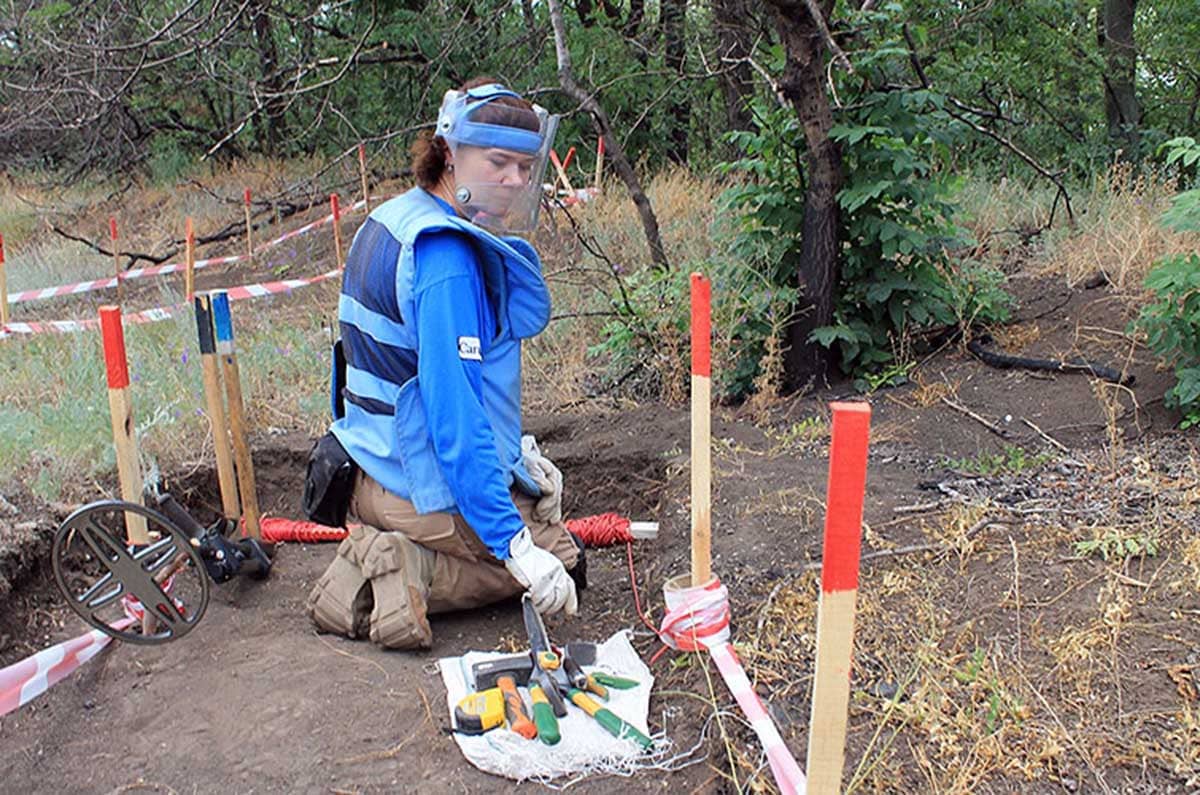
x=384, y=427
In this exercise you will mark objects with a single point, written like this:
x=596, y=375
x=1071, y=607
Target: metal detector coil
x=108, y=581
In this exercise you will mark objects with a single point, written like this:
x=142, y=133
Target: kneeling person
x=457, y=510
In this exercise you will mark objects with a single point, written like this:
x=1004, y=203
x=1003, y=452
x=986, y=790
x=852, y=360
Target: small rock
x=89, y=704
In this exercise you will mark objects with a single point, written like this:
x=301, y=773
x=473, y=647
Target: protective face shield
x=500, y=156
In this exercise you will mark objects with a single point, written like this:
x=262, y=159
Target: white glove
x=542, y=574
x=548, y=478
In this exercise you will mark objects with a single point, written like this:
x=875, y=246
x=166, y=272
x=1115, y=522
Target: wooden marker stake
x=839, y=593
x=223, y=323
x=362, y=172
x=701, y=428
x=189, y=270
x=112, y=235
x=249, y=226
x=216, y=407
x=120, y=406
x=3, y=287
x=562, y=172
x=337, y=228
x=599, y=161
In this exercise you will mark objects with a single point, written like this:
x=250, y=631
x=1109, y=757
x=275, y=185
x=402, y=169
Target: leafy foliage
x=746, y=313
x=899, y=275
x=1171, y=322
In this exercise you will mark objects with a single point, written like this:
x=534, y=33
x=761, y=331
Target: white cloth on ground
x=585, y=745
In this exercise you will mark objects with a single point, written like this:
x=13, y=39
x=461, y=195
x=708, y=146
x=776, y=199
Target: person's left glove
x=548, y=478
x=542, y=574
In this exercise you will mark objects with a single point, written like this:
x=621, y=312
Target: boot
x=342, y=599
x=400, y=573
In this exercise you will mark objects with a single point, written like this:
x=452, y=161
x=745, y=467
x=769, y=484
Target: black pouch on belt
x=329, y=482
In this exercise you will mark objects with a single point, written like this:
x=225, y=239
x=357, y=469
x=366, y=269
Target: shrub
x=1171, y=321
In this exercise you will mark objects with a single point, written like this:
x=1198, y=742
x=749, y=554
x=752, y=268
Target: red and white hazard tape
x=699, y=618
x=161, y=270
x=27, y=679
x=162, y=312
x=24, y=681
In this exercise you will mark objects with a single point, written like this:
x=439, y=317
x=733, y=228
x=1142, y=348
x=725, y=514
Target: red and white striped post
x=337, y=228
x=362, y=173
x=112, y=236
x=3, y=288
x=839, y=592
x=701, y=430
x=189, y=268
x=120, y=406
x=249, y=226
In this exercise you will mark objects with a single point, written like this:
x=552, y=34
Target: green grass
x=1011, y=460
x=55, y=428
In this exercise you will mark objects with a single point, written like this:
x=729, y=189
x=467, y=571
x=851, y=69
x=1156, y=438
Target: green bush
x=900, y=273
x=649, y=351
x=1171, y=321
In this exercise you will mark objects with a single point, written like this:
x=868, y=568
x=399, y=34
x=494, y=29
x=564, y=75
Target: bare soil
x=254, y=700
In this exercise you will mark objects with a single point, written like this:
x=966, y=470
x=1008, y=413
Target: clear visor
x=500, y=164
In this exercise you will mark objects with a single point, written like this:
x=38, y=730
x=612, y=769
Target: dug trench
x=255, y=700
x=959, y=635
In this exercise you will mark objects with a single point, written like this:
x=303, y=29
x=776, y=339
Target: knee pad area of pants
x=342, y=600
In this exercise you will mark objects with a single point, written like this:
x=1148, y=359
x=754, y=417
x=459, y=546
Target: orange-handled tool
x=514, y=708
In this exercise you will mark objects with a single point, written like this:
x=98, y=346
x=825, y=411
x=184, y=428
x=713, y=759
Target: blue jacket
x=431, y=315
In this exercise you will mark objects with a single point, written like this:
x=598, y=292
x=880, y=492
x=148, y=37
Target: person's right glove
x=542, y=574
x=548, y=478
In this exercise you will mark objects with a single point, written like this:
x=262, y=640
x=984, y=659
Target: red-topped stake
x=3, y=288
x=189, y=270
x=701, y=430
x=839, y=593
x=362, y=173
x=112, y=236
x=599, y=161
x=337, y=228
x=121, y=409
x=701, y=326
x=249, y=226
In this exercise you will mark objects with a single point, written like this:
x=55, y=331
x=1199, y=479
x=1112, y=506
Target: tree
x=803, y=31
x=735, y=44
x=1121, y=108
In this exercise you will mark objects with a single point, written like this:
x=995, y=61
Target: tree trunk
x=674, y=17
x=1120, y=61
x=731, y=20
x=268, y=56
x=803, y=85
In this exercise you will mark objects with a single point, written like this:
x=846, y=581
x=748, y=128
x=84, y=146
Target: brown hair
x=429, y=151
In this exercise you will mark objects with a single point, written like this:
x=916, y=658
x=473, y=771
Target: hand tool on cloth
x=504, y=675
x=584, y=745
x=560, y=675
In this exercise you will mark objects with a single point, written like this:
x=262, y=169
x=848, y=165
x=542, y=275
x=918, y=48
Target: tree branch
x=612, y=146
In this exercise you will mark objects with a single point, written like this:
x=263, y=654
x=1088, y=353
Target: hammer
x=506, y=673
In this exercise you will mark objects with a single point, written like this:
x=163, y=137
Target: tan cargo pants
x=466, y=574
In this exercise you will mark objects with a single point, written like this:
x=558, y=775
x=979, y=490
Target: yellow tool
x=480, y=711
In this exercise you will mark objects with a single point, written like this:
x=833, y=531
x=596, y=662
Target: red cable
x=605, y=530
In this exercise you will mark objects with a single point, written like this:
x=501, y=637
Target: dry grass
x=1120, y=235
x=597, y=265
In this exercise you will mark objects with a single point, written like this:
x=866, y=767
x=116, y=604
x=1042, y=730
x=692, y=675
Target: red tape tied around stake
x=701, y=326
x=114, y=347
